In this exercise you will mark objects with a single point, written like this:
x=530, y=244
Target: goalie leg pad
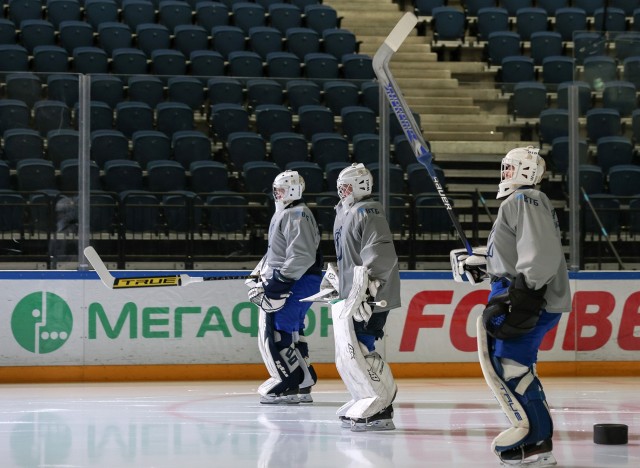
x=366, y=375
x=310, y=376
x=520, y=395
x=528, y=391
x=506, y=399
x=306, y=285
x=279, y=356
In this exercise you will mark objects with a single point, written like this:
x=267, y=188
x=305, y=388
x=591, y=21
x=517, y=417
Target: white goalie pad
x=506, y=399
x=367, y=377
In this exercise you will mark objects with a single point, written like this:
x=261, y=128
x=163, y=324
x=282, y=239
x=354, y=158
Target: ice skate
x=529, y=455
x=304, y=395
x=290, y=397
x=382, y=421
x=345, y=423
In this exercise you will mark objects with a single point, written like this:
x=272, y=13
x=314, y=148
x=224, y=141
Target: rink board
x=69, y=326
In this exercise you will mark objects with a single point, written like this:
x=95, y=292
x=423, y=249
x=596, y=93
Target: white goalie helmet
x=354, y=181
x=287, y=187
x=521, y=166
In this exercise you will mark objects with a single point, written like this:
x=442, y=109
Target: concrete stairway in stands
x=457, y=101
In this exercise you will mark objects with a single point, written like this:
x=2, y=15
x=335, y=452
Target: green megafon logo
x=41, y=322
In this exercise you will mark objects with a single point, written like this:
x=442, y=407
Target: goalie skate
x=304, y=395
x=287, y=398
x=382, y=421
x=530, y=455
x=345, y=423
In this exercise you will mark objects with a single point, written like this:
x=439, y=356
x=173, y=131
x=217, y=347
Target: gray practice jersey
x=293, y=241
x=363, y=238
x=525, y=238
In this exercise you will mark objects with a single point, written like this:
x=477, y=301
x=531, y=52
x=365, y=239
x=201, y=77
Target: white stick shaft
x=98, y=265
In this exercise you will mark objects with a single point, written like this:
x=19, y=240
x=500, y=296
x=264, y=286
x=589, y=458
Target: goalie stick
x=400, y=108
x=112, y=282
x=323, y=296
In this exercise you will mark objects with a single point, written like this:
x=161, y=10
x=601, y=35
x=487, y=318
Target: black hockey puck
x=610, y=434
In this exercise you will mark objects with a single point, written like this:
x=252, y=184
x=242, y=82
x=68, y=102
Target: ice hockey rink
x=440, y=423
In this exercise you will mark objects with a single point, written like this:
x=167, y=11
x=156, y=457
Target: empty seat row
x=187, y=38
x=543, y=44
x=35, y=174
x=25, y=89
x=149, y=36
x=172, y=13
x=168, y=117
x=167, y=62
x=622, y=180
x=472, y=7
x=227, y=118
x=129, y=211
x=203, y=176
x=184, y=147
x=449, y=23
x=552, y=123
x=214, y=13
x=151, y=153
x=322, y=149
x=610, y=151
x=112, y=90
x=529, y=98
x=172, y=117
x=597, y=72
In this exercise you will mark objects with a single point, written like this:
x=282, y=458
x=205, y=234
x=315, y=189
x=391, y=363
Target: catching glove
x=469, y=268
x=271, y=295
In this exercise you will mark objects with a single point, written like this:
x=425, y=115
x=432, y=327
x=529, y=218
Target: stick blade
x=401, y=30
x=99, y=266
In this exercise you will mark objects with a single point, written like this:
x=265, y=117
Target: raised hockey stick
x=400, y=108
x=112, y=282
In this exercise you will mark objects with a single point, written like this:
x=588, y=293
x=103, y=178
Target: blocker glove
x=516, y=312
x=363, y=290
x=471, y=268
x=365, y=310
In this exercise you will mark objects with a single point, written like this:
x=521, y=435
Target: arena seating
x=214, y=81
